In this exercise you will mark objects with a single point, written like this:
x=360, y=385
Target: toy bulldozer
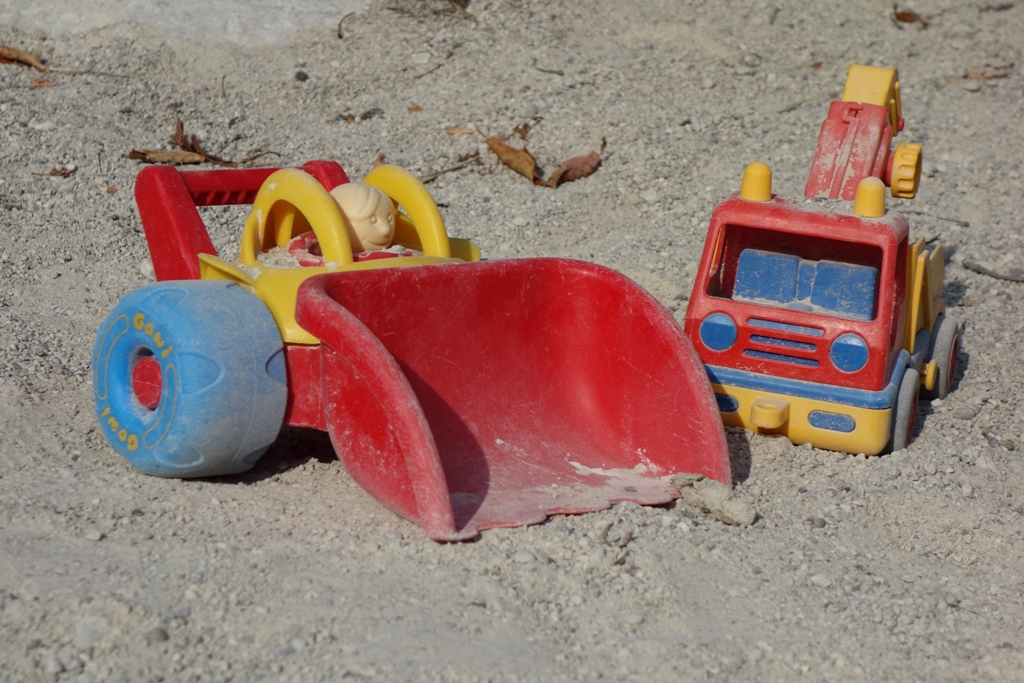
x=463, y=394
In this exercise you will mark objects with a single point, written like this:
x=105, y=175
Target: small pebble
x=964, y=413
x=157, y=635
x=91, y=629
x=94, y=535
x=523, y=556
x=821, y=580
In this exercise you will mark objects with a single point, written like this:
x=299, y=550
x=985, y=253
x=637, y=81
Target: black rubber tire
x=945, y=349
x=904, y=416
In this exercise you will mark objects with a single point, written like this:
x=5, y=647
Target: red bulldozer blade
x=493, y=394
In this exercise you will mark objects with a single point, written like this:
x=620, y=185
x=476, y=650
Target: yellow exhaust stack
x=870, y=199
x=757, y=182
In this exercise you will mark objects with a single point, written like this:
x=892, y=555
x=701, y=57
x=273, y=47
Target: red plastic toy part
x=167, y=201
x=853, y=145
x=855, y=141
x=580, y=394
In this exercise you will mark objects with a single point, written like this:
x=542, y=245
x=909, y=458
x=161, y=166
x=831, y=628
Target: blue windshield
x=845, y=290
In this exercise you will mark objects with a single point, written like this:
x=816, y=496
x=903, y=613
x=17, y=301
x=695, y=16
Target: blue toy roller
x=189, y=379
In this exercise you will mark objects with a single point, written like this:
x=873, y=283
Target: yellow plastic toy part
x=790, y=416
x=215, y=268
x=292, y=202
x=423, y=229
x=926, y=268
x=289, y=203
x=757, y=182
x=906, y=170
x=869, y=201
x=769, y=413
x=875, y=85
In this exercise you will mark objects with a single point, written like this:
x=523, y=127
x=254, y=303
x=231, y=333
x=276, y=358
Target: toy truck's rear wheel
x=189, y=379
x=945, y=352
x=904, y=415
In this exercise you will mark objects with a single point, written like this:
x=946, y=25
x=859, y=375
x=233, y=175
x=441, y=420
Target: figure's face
x=376, y=230
x=369, y=213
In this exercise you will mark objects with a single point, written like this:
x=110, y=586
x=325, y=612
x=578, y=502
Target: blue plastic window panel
x=845, y=289
x=766, y=276
x=842, y=289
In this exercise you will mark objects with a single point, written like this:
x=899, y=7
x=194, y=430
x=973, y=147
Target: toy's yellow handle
x=424, y=226
x=290, y=202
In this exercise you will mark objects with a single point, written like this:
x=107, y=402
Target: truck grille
x=783, y=342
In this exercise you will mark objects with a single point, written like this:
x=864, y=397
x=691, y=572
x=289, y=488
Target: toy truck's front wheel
x=904, y=414
x=945, y=351
x=189, y=379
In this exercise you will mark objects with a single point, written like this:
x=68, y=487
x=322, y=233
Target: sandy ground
x=906, y=567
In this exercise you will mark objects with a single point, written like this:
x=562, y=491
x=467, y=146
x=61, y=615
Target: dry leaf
x=524, y=128
x=576, y=168
x=985, y=74
x=380, y=160
x=41, y=83
x=190, y=151
x=519, y=160
x=190, y=143
x=58, y=172
x=111, y=190
x=415, y=107
x=9, y=55
x=463, y=160
x=907, y=16
x=167, y=156
x=458, y=130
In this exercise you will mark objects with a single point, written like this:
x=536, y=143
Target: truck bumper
x=832, y=426
x=833, y=418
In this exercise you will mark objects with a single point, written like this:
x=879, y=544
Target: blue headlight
x=718, y=332
x=849, y=352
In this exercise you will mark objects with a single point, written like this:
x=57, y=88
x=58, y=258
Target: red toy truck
x=463, y=394
x=820, y=323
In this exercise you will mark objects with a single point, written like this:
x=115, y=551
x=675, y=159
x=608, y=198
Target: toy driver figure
x=369, y=216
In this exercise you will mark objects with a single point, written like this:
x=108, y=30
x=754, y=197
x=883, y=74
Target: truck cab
x=800, y=313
